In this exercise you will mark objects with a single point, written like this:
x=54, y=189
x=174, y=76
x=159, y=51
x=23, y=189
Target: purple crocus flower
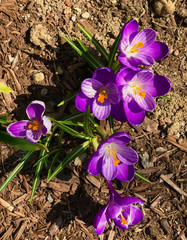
x=113, y=159
x=99, y=92
x=34, y=128
x=140, y=47
x=120, y=210
x=137, y=89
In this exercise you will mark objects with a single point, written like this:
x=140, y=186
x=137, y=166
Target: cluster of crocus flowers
x=120, y=209
x=34, y=128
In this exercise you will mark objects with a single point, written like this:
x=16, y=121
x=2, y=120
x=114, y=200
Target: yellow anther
x=136, y=47
x=123, y=220
x=34, y=125
x=112, y=152
x=102, y=96
x=139, y=91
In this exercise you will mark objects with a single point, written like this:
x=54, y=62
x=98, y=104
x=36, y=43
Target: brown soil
x=37, y=63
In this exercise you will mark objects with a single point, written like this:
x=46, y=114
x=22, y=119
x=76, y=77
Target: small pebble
x=176, y=52
x=68, y=3
x=86, y=15
x=49, y=198
x=44, y=91
x=78, y=9
x=38, y=77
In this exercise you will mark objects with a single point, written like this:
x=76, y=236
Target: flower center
x=34, y=125
x=138, y=90
x=123, y=220
x=136, y=47
x=112, y=152
x=102, y=96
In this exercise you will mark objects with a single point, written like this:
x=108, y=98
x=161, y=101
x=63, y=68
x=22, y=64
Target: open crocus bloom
x=99, y=92
x=120, y=209
x=140, y=47
x=34, y=128
x=137, y=89
x=113, y=159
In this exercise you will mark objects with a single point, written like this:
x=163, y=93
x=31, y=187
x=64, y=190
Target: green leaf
x=46, y=155
x=20, y=143
x=4, y=88
x=93, y=58
x=81, y=53
x=3, y=119
x=70, y=157
x=69, y=99
x=113, y=51
x=142, y=177
x=111, y=123
x=16, y=170
x=70, y=130
x=74, y=116
x=53, y=163
x=166, y=98
x=87, y=127
x=98, y=46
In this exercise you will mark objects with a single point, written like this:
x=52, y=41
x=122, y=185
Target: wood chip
x=6, y=205
x=93, y=180
x=173, y=185
x=62, y=187
x=21, y=230
x=20, y=199
x=182, y=146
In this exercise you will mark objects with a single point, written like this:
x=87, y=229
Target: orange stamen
x=136, y=47
x=139, y=91
x=102, y=96
x=35, y=125
x=123, y=220
x=112, y=152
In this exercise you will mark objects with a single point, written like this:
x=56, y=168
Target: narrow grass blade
x=142, y=177
x=87, y=127
x=53, y=161
x=46, y=156
x=166, y=98
x=16, y=170
x=98, y=46
x=3, y=119
x=111, y=123
x=113, y=51
x=74, y=116
x=70, y=130
x=69, y=99
x=70, y=157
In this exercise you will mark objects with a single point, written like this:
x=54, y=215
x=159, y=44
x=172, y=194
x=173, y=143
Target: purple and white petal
x=82, y=102
x=124, y=75
x=147, y=102
x=125, y=172
x=100, y=221
x=136, y=215
x=143, y=58
x=127, y=155
x=90, y=87
x=18, y=129
x=129, y=28
x=159, y=86
x=113, y=210
x=157, y=50
x=101, y=110
x=128, y=62
x=134, y=113
x=95, y=164
x=146, y=36
x=121, y=138
x=33, y=136
x=128, y=201
x=109, y=170
x=113, y=93
x=104, y=75
x=35, y=110
x=143, y=77
x=46, y=125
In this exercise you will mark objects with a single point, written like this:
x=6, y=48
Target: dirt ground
x=39, y=65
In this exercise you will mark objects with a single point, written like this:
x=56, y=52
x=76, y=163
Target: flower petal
x=143, y=59
x=109, y=170
x=135, y=115
x=90, y=87
x=157, y=50
x=121, y=138
x=101, y=110
x=104, y=75
x=144, y=76
x=113, y=93
x=146, y=36
x=124, y=75
x=125, y=172
x=159, y=86
x=100, y=221
x=95, y=164
x=129, y=28
x=33, y=136
x=118, y=112
x=136, y=215
x=128, y=62
x=82, y=102
x=18, y=129
x=35, y=110
x=127, y=155
x=128, y=201
x=113, y=210
x=147, y=103
x=46, y=125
